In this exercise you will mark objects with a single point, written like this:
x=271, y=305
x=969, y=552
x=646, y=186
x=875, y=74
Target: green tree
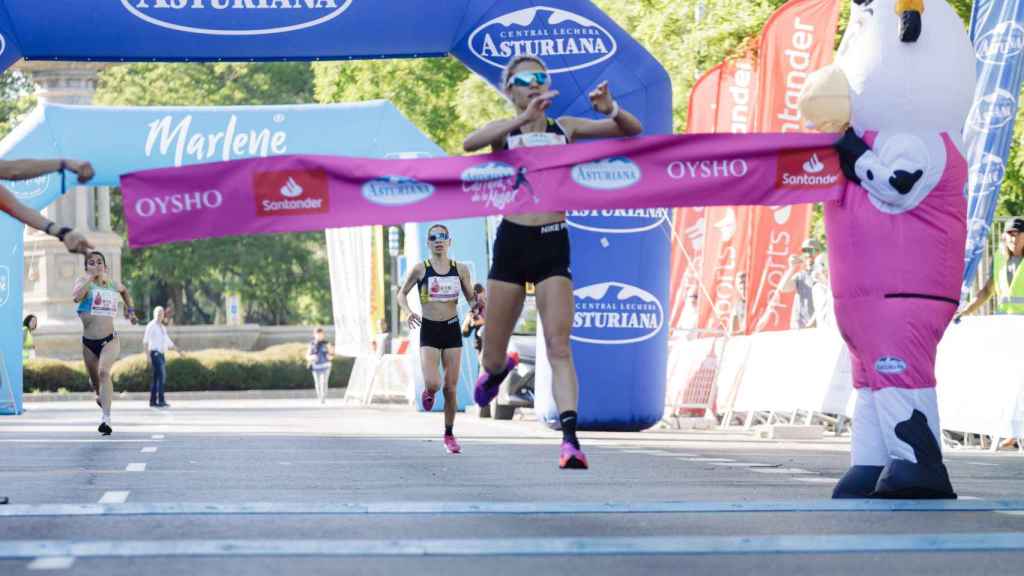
x=424, y=90
x=282, y=279
x=689, y=37
x=16, y=99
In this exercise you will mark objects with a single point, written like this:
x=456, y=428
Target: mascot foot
x=906, y=480
x=858, y=482
x=925, y=479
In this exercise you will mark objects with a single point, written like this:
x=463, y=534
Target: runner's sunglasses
x=437, y=237
x=527, y=78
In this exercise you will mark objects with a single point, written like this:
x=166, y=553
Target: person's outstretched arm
x=987, y=292
x=28, y=169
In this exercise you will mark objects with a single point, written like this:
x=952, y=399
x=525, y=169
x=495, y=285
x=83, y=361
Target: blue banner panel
x=12, y=273
x=9, y=50
x=620, y=331
x=183, y=30
x=998, y=37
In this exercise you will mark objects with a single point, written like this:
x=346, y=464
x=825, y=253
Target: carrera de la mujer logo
x=236, y=17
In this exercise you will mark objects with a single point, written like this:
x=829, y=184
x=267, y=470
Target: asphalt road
x=269, y=486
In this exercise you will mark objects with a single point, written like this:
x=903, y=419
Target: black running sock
x=448, y=430
x=568, y=419
x=496, y=378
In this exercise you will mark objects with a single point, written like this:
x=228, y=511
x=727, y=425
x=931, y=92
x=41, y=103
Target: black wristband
x=46, y=229
x=62, y=233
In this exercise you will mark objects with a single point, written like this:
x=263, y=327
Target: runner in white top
x=98, y=296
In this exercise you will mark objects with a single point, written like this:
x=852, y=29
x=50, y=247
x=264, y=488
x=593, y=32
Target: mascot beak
x=910, y=12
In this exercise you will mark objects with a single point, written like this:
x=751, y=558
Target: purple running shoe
x=487, y=384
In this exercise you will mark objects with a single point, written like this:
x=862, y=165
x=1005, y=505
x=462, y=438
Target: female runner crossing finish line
x=535, y=247
x=439, y=279
x=97, y=296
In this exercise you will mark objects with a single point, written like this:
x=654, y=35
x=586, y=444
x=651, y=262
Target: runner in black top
x=535, y=247
x=440, y=279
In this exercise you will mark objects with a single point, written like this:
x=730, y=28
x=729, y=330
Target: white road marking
x=817, y=479
x=744, y=465
x=115, y=497
x=501, y=508
x=52, y=563
x=524, y=547
x=148, y=450
x=157, y=436
x=136, y=467
x=781, y=470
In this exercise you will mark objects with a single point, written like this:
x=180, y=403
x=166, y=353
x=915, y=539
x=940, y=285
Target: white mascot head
x=909, y=66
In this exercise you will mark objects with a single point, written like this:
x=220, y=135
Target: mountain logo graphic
x=615, y=313
x=568, y=40
x=813, y=166
x=1005, y=41
x=396, y=191
x=607, y=174
x=291, y=189
x=993, y=111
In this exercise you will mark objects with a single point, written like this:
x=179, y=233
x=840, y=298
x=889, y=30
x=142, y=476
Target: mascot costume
x=903, y=83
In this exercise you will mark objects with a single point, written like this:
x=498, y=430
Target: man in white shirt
x=157, y=342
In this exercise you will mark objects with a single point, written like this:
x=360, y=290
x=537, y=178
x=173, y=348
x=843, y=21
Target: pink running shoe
x=452, y=445
x=572, y=458
x=487, y=385
x=428, y=399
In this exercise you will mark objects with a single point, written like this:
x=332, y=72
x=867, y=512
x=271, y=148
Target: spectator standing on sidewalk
x=28, y=347
x=157, y=342
x=319, y=361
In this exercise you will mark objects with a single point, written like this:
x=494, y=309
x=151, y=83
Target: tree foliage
x=16, y=99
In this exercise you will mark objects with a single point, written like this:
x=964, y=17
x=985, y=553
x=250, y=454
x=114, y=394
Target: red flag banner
x=727, y=229
x=688, y=223
x=797, y=40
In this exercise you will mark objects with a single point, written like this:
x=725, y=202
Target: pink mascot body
x=896, y=240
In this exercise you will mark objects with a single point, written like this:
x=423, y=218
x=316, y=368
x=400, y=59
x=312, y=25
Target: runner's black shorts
x=441, y=335
x=530, y=253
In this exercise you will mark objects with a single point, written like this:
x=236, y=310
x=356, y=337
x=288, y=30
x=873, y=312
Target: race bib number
x=531, y=139
x=443, y=288
x=104, y=303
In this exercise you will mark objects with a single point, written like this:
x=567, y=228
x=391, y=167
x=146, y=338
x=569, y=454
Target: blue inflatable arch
x=622, y=385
